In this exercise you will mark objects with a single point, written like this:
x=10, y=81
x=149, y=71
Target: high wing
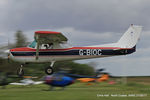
x=46, y=37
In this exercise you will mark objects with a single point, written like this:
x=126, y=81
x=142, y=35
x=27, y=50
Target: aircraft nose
x=7, y=51
x=4, y=53
x=8, y=54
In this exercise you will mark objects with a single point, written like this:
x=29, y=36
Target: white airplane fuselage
x=28, y=55
x=126, y=45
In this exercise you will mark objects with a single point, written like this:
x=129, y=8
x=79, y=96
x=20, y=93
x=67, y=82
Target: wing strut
x=37, y=49
x=45, y=37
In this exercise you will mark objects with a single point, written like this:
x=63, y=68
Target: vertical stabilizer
x=130, y=37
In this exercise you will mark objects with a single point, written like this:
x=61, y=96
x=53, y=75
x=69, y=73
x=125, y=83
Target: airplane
x=50, y=46
x=63, y=79
x=58, y=80
x=104, y=77
x=27, y=81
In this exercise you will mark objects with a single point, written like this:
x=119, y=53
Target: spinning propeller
x=5, y=50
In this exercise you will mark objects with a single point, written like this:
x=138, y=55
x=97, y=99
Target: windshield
x=32, y=45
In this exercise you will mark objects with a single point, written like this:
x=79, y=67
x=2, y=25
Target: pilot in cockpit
x=48, y=46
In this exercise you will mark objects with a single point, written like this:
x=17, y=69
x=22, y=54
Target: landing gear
x=20, y=71
x=49, y=69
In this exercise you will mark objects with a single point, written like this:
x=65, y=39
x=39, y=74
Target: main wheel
x=20, y=72
x=49, y=70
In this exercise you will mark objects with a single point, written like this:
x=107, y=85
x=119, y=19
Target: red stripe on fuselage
x=27, y=49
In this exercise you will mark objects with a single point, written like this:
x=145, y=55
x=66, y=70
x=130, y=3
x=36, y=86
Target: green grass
x=77, y=91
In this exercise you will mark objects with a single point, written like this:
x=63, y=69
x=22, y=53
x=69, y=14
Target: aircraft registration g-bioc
x=49, y=46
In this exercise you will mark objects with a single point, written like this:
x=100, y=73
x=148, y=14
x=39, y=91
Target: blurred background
x=84, y=23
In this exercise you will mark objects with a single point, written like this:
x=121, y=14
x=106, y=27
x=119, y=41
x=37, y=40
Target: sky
x=83, y=22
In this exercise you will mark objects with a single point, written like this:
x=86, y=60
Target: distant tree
x=74, y=68
x=21, y=39
x=8, y=67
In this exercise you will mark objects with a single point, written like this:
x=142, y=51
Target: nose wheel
x=20, y=71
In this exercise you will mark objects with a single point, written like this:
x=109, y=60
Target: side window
x=44, y=46
x=50, y=45
x=47, y=46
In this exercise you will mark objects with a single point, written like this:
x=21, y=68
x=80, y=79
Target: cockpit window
x=65, y=45
x=50, y=45
x=32, y=45
x=47, y=46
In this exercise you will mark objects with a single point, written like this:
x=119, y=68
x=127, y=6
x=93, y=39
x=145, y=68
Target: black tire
x=20, y=72
x=49, y=70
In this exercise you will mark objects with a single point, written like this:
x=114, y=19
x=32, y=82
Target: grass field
x=133, y=90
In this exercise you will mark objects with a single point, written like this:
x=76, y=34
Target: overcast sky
x=84, y=22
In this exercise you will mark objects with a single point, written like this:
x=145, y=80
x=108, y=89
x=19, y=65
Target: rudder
x=130, y=37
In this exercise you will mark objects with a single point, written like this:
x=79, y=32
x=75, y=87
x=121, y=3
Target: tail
x=128, y=40
x=130, y=37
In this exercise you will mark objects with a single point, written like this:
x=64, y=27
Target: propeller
x=4, y=53
x=8, y=54
x=4, y=50
x=8, y=51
